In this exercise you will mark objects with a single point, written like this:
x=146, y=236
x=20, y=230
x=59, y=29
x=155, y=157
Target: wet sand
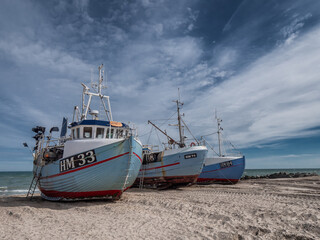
x=251, y=209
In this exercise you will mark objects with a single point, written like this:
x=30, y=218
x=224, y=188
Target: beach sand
x=251, y=209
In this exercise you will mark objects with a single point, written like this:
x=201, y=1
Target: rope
x=190, y=132
x=229, y=142
x=209, y=134
x=225, y=176
x=150, y=134
x=158, y=138
x=160, y=124
x=210, y=146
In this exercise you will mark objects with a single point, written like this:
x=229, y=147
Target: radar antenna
x=97, y=87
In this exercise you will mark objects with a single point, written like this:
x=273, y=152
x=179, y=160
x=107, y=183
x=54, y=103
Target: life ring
x=192, y=144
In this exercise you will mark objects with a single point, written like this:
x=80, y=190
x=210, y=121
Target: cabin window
x=72, y=134
x=120, y=133
x=78, y=133
x=108, y=131
x=127, y=133
x=99, y=132
x=112, y=132
x=87, y=132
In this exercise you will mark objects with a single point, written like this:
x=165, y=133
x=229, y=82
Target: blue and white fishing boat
x=223, y=168
x=99, y=159
x=177, y=165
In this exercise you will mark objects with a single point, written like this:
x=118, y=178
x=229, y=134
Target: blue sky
x=256, y=62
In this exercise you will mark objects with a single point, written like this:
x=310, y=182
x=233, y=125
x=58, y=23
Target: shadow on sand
x=38, y=202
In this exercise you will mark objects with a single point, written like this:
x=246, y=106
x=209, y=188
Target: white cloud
x=184, y=52
x=276, y=97
x=41, y=55
x=291, y=31
x=148, y=54
x=158, y=29
x=145, y=3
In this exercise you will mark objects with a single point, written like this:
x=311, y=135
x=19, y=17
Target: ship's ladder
x=34, y=183
x=143, y=170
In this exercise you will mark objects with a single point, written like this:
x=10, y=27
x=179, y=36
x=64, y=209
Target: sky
x=254, y=62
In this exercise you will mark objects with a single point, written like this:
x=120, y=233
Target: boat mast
x=219, y=134
x=101, y=72
x=182, y=144
x=99, y=86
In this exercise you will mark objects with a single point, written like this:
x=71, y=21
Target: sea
x=17, y=183
x=14, y=183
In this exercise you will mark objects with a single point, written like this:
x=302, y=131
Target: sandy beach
x=251, y=209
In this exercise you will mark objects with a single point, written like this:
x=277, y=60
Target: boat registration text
x=77, y=160
x=192, y=155
x=225, y=164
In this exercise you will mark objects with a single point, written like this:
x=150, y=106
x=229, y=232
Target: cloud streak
x=260, y=73
x=276, y=97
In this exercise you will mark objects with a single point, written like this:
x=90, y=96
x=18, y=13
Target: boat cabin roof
x=100, y=123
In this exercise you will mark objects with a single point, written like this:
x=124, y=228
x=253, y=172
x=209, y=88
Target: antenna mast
x=101, y=72
x=219, y=132
x=182, y=144
x=86, y=107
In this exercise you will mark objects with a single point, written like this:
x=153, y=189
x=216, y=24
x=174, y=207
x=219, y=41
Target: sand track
x=251, y=209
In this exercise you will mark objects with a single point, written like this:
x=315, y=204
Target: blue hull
x=176, y=167
x=228, y=171
x=108, y=172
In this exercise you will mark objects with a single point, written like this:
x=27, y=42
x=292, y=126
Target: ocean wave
x=12, y=191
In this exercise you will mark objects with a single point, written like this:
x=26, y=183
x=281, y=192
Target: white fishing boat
x=101, y=158
x=177, y=165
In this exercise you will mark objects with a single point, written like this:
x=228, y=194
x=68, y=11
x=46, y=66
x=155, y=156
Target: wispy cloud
x=276, y=97
x=260, y=74
x=40, y=55
x=292, y=31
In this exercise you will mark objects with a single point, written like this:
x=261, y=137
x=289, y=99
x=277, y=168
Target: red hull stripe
x=113, y=193
x=217, y=180
x=84, y=167
x=138, y=157
x=220, y=169
x=169, y=165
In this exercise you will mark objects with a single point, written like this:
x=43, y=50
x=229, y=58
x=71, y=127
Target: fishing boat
x=223, y=168
x=176, y=165
x=101, y=158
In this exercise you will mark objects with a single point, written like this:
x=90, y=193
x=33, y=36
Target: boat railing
x=133, y=132
x=192, y=142
x=48, y=143
x=188, y=143
x=150, y=148
x=54, y=142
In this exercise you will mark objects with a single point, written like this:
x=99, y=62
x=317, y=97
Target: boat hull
x=177, y=167
x=222, y=170
x=106, y=172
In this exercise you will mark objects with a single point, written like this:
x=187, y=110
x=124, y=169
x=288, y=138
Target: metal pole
x=219, y=136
